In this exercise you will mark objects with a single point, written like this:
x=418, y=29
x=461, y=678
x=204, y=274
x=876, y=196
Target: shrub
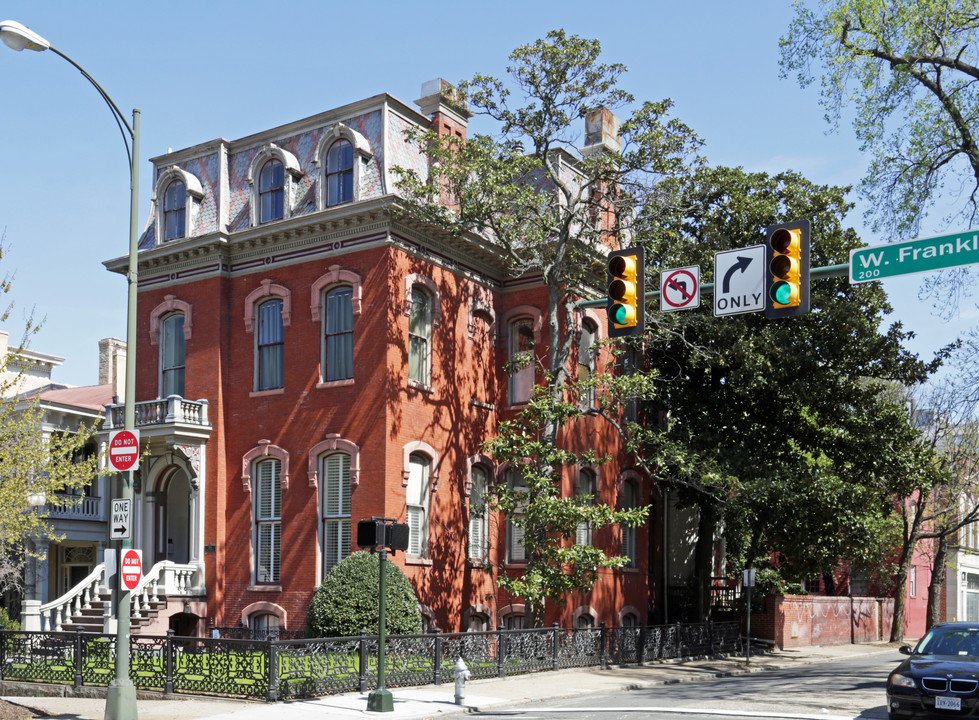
x=346, y=601
x=6, y=622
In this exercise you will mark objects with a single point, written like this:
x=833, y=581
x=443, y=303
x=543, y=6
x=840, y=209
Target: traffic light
x=787, y=275
x=626, y=292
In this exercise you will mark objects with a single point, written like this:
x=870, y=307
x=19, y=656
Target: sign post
x=749, y=582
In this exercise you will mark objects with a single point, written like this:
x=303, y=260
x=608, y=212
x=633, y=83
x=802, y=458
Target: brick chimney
x=441, y=102
x=112, y=366
x=602, y=129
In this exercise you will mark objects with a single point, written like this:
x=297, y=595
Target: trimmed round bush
x=346, y=601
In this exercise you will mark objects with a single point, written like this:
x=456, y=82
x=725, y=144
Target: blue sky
x=203, y=70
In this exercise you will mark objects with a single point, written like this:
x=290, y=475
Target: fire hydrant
x=462, y=676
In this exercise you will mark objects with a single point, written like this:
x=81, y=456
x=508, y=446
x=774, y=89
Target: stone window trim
x=169, y=305
x=194, y=191
x=630, y=475
x=265, y=608
x=265, y=290
x=362, y=154
x=582, y=610
x=335, y=276
x=479, y=307
x=265, y=448
x=518, y=609
x=591, y=314
x=487, y=464
x=534, y=313
x=431, y=288
x=629, y=610
x=423, y=448
x=596, y=476
x=478, y=609
x=292, y=172
x=334, y=443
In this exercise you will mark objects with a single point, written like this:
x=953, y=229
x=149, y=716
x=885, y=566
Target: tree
x=783, y=419
x=907, y=70
x=550, y=202
x=33, y=464
x=951, y=432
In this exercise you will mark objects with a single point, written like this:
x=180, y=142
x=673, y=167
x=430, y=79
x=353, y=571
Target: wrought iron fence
x=277, y=667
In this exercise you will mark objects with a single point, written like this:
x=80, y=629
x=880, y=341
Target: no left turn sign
x=679, y=289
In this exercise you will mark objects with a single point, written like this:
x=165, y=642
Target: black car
x=940, y=679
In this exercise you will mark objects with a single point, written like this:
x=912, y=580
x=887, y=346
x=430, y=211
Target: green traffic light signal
x=787, y=280
x=626, y=292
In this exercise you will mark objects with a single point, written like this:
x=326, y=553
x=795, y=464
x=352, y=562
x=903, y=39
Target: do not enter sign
x=124, y=450
x=132, y=568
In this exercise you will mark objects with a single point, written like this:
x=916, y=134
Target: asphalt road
x=845, y=688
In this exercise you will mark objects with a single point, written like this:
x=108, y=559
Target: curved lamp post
x=120, y=703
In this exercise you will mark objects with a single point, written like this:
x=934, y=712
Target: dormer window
x=343, y=156
x=271, y=191
x=177, y=198
x=272, y=174
x=174, y=211
x=340, y=173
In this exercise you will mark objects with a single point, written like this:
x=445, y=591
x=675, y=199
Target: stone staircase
x=86, y=606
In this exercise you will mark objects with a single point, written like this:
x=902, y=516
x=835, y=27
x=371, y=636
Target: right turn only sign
x=739, y=278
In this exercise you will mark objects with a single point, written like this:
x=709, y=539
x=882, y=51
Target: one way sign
x=121, y=527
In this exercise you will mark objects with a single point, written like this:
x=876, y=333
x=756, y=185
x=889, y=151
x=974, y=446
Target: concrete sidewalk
x=433, y=701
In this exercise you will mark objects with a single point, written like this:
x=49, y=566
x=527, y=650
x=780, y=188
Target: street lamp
x=120, y=701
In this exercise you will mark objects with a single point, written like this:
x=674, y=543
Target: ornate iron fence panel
x=98, y=659
x=308, y=668
x=661, y=642
x=410, y=660
x=210, y=666
x=478, y=649
x=524, y=651
x=38, y=657
x=579, y=647
x=621, y=645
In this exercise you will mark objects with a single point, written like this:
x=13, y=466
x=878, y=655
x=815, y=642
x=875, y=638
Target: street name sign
x=913, y=256
x=679, y=289
x=739, y=278
x=124, y=450
x=121, y=522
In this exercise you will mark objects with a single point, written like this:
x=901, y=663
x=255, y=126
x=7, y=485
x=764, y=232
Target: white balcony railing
x=173, y=410
x=71, y=507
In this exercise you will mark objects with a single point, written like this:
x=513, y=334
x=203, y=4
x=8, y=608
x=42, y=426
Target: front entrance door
x=173, y=518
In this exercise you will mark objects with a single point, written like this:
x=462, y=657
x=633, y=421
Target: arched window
x=267, y=521
x=269, y=346
x=586, y=489
x=420, y=337
x=271, y=191
x=174, y=211
x=172, y=354
x=478, y=513
x=630, y=498
x=416, y=498
x=340, y=173
x=335, y=476
x=521, y=358
x=338, y=334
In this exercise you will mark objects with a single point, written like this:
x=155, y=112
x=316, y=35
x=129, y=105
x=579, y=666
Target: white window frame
x=478, y=531
x=291, y=172
x=516, y=551
x=165, y=339
x=335, y=498
x=258, y=346
x=630, y=500
x=417, y=503
x=423, y=339
x=362, y=156
x=324, y=345
x=267, y=470
x=587, y=485
x=194, y=195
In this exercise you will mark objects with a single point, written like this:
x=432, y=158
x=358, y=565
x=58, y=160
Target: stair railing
x=56, y=613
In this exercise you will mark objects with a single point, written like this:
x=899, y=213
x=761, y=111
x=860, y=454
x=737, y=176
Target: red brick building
x=310, y=355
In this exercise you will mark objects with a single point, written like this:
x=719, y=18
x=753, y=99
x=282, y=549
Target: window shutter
x=517, y=550
x=416, y=517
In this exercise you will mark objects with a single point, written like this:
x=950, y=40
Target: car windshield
x=950, y=641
